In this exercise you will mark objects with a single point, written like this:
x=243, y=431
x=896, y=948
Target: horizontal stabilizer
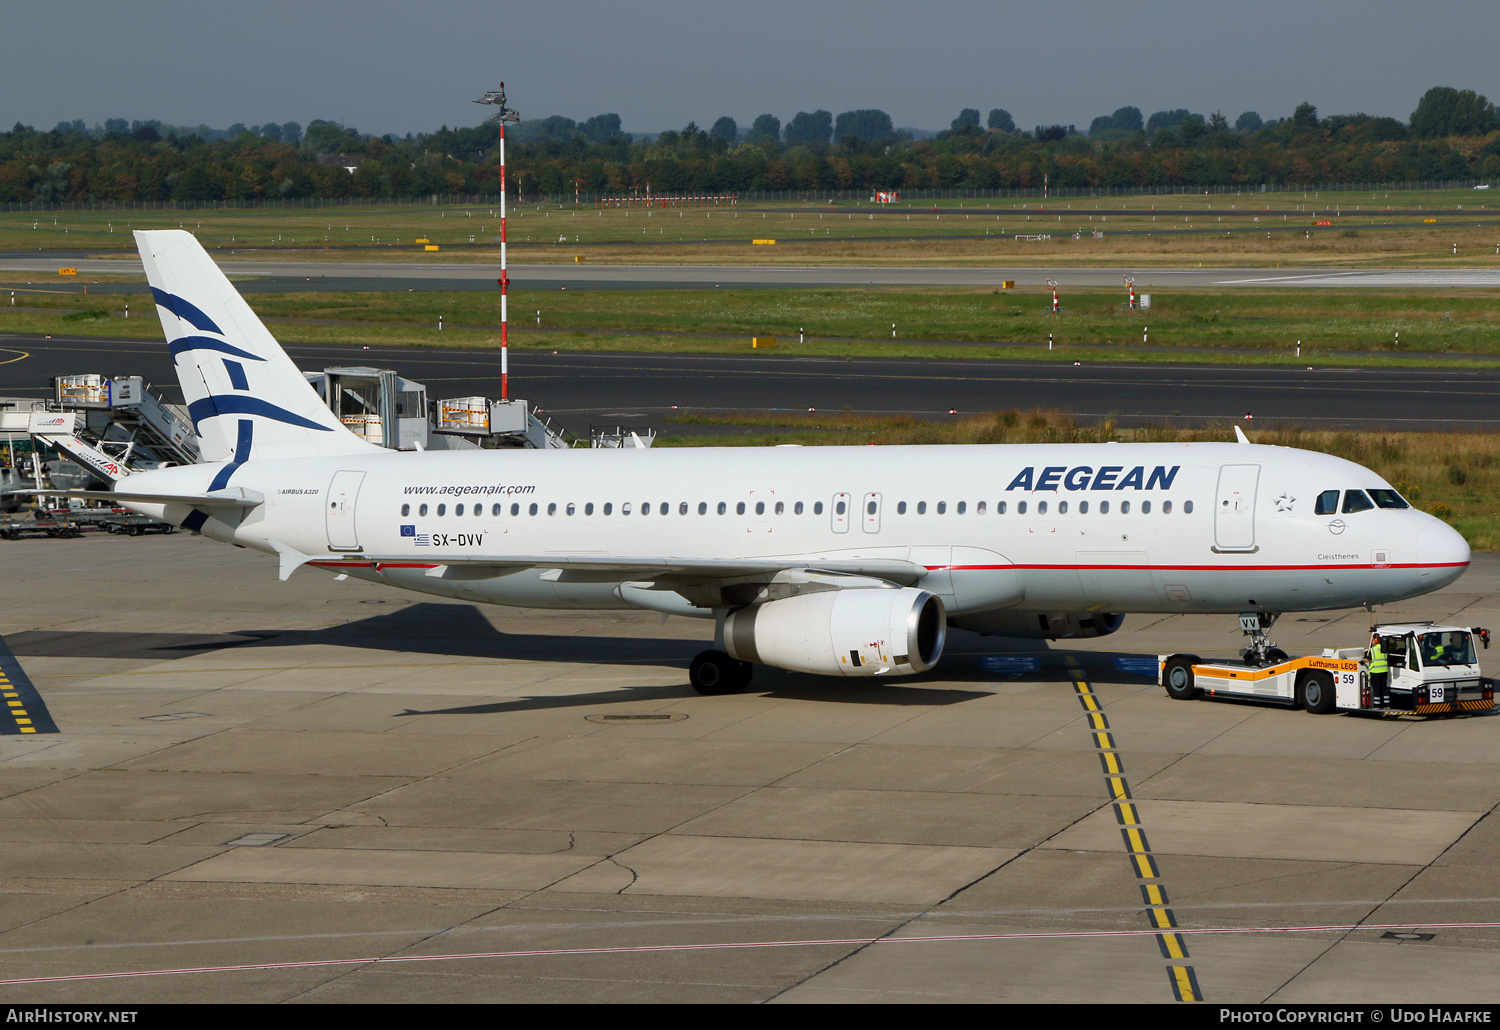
x=234, y=497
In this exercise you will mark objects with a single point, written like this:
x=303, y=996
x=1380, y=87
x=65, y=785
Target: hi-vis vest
x=1378, y=663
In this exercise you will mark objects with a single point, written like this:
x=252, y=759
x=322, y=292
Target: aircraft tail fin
x=245, y=396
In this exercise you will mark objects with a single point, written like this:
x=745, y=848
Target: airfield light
x=496, y=98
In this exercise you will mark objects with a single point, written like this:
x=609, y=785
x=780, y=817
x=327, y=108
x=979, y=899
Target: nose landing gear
x=1262, y=650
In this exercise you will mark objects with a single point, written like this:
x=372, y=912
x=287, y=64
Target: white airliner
x=835, y=560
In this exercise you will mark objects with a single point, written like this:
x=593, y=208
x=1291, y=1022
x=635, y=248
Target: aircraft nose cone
x=1444, y=551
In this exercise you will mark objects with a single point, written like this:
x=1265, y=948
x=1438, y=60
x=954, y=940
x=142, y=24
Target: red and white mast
x=505, y=114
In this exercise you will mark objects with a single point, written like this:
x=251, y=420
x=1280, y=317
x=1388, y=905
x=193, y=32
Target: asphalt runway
x=318, y=791
x=285, y=276
x=583, y=389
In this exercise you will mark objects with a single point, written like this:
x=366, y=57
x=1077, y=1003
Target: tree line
x=1452, y=134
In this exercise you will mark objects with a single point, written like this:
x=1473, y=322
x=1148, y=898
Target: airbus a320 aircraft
x=845, y=561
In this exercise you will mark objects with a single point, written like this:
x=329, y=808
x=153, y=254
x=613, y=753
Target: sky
x=386, y=67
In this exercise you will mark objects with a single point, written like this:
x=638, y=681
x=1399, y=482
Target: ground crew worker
x=1380, y=675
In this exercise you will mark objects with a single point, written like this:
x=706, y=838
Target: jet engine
x=1040, y=625
x=852, y=632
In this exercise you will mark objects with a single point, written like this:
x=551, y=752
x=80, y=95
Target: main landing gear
x=1262, y=650
x=714, y=672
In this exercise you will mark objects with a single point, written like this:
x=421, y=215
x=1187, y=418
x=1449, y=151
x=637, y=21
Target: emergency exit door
x=343, y=492
x=1234, y=508
x=871, y=512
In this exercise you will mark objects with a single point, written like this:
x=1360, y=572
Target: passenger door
x=343, y=492
x=1234, y=508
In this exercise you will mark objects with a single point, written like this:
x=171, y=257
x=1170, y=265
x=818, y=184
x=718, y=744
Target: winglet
x=291, y=560
x=1239, y=434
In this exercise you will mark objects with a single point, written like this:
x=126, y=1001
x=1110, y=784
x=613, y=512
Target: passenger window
x=817, y=507
x=625, y=508
x=1166, y=507
x=533, y=510
x=999, y=507
x=722, y=508
x=572, y=508
x=1062, y=507
x=515, y=509
x=1327, y=503
x=608, y=508
x=496, y=508
x=797, y=510
x=1041, y=507
x=962, y=505
x=760, y=507
x=405, y=510
x=552, y=508
x=1187, y=507
x=901, y=508
x=780, y=508
x=942, y=507
x=478, y=509
x=979, y=509
x=1145, y=507
x=739, y=509
x=1103, y=507
x=666, y=509
x=646, y=508
x=702, y=507
x=1124, y=507
x=682, y=508
x=1020, y=507
x=422, y=510
x=458, y=509
x=1382, y=498
x=443, y=509
x=1083, y=507
x=840, y=508
x=1355, y=500
x=921, y=507
x=588, y=509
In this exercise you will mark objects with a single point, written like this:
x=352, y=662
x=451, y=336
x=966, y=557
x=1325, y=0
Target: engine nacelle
x=852, y=632
x=1041, y=625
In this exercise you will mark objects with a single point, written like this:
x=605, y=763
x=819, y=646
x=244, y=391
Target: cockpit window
x=1388, y=499
x=1327, y=503
x=1355, y=500
x=1453, y=648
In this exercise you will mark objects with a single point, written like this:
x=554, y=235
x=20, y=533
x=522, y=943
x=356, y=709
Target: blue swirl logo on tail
x=186, y=311
x=229, y=404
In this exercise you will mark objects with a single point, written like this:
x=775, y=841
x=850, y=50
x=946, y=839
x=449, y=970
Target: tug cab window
x=1327, y=503
x=1355, y=500
x=1447, y=649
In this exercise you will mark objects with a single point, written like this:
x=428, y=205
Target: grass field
x=1243, y=326
x=1179, y=230
x=1455, y=476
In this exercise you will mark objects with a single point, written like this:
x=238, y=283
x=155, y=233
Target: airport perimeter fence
x=785, y=196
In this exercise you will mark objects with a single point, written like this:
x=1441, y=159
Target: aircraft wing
x=893, y=569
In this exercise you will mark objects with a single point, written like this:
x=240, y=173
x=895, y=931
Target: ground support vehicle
x=134, y=525
x=12, y=528
x=1433, y=671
